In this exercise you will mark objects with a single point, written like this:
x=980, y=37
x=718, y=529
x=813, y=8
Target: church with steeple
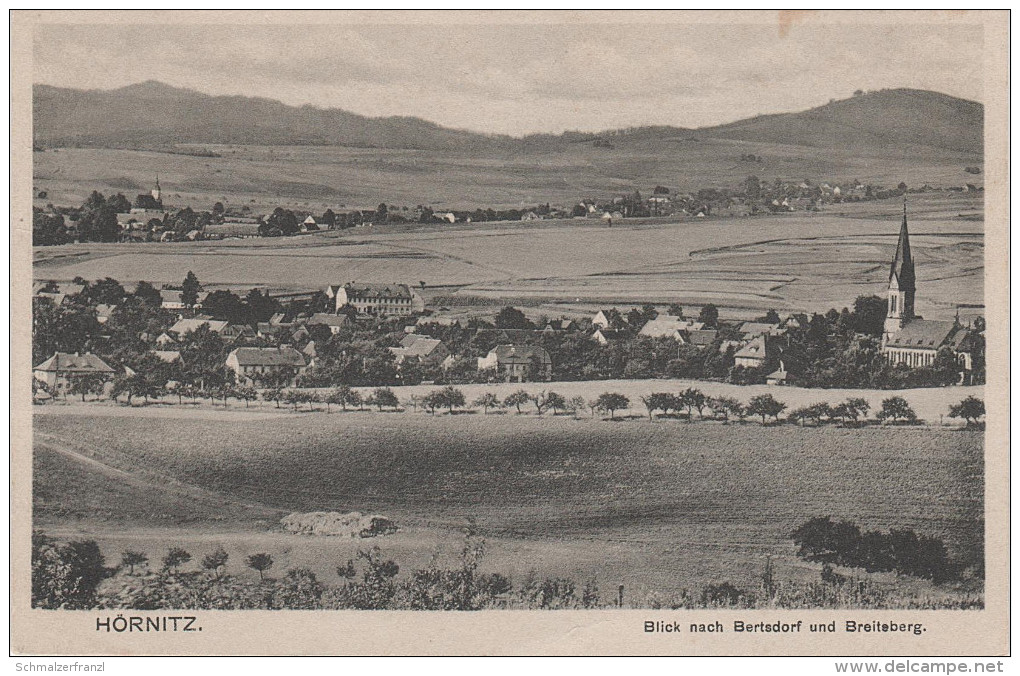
x=909, y=339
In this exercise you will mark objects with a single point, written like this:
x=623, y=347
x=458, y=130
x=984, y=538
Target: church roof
x=923, y=334
x=903, y=263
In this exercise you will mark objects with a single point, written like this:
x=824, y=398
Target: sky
x=519, y=79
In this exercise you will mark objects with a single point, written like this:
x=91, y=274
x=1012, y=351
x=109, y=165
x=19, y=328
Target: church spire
x=903, y=263
x=901, y=284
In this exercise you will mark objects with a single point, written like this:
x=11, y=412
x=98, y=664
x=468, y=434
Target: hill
x=890, y=117
x=152, y=114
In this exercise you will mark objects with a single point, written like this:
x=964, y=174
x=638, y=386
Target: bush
x=902, y=550
x=66, y=575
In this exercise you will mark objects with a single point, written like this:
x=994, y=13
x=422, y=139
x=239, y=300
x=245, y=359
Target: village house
x=761, y=351
x=697, y=337
x=376, y=299
x=333, y=322
x=62, y=369
x=251, y=364
x=907, y=338
x=169, y=356
x=185, y=326
x=172, y=299
x=237, y=332
x=604, y=318
x=420, y=348
x=751, y=330
x=669, y=326
x=606, y=336
x=518, y=363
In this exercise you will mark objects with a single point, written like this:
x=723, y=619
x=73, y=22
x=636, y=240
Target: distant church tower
x=156, y=191
x=901, y=285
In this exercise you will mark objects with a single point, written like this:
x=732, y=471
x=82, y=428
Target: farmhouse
x=172, y=299
x=236, y=332
x=421, y=348
x=374, y=299
x=169, y=356
x=518, y=363
x=185, y=326
x=907, y=338
x=607, y=336
x=669, y=326
x=252, y=363
x=751, y=330
x=698, y=337
x=333, y=322
x=761, y=351
x=60, y=370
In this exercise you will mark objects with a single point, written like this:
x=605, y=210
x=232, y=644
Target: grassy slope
x=555, y=494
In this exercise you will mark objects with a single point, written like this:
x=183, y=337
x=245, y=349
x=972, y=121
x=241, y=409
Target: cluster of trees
x=901, y=550
x=74, y=575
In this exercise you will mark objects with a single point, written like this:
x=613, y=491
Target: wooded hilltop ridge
x=153, y=114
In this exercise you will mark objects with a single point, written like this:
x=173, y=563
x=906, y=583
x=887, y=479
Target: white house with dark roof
x=60, y=370
x=518, y=363
x=249, y=364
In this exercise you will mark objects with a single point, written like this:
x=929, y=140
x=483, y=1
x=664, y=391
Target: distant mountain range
x=155, y=115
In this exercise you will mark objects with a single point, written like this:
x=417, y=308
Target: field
x=316, y=177
x=795, y=262
x=655, y=506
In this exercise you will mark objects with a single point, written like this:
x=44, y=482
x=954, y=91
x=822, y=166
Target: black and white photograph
x=658, y=313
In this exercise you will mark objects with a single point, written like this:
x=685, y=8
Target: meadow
x=656, y=506
x=793, y=262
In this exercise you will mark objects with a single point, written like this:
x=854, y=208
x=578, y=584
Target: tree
x=657, y=401
x=766, y=406
x=612, y=402
x=452, y=398
x=97, y=221
x=432, y=401
x=727, y=406
x=132, y=558
x=90, y=383
x=246, y=394
x=970, y=409
x=675, y=310
x=709, y=315
x=856, y=407
x=190, y=289
x=517, y=399
x=148, y=294
x=384, y=396
x=576, y=404
x=282, y=220
x=487, y=401
x=215, y=561
x=869, y=315
x=260, y=562
x=801, y=413
x=175, y=557
x=512, y=318
x=273, y=394
x=896, y=409
x=119, y=204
